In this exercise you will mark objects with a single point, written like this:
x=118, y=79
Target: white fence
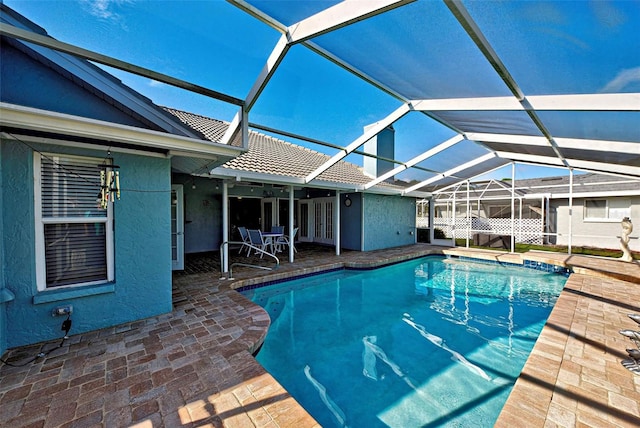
x=527, y=230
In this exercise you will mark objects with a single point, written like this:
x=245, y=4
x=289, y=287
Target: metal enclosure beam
x=450, y=172
x=340, y=15
x=437, y=149
x=372, y=132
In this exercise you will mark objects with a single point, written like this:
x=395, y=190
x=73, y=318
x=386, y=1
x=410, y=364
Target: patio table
x=270, y=239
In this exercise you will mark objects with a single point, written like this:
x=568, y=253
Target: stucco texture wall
x=389, y=221
x=596, y=233
x=23, y=79
x=202, y=214
x=3, y=303
x=142, y=286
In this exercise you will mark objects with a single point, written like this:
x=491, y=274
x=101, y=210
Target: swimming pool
x=428, y=342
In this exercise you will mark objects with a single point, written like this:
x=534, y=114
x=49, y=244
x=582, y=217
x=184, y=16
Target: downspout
x=225, y=225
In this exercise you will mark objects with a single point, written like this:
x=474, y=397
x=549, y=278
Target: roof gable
x=38, y=77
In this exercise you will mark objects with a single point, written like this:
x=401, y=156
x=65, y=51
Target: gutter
x=45, y=121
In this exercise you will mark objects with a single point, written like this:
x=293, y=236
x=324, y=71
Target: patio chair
x=245, y=240
x=284, y=240
x=256, y=239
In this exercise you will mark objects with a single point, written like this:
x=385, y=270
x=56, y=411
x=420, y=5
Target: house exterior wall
x=600, y=233
x=23, y=80
x=389, y=221
x=142, y=236
x=202, y=214
x=4, y=296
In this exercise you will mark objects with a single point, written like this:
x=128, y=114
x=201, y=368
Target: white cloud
x=624, y=78
x=155, y=83
x=104, y=9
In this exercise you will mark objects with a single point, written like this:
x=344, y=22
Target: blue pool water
x=429, y=342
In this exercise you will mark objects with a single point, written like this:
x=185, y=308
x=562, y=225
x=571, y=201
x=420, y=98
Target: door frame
x=177, y=263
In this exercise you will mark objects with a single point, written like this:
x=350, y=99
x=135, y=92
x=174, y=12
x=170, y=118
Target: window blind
x=74, y=225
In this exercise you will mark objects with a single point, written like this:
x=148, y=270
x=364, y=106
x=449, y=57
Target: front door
x=269, y=214
x=323, y=221
x=177, y=227
x=305, y=214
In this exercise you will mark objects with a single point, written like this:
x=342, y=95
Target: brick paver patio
x=193, y=367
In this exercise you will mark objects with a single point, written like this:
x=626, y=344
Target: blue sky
x=216, y=45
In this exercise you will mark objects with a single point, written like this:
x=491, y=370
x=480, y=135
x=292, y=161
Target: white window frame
x=41, y=277
x=607, y=218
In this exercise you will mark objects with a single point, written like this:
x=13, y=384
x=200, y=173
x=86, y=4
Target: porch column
x=453, y=218
x=291, y=225
x=432, y=213
x=468, y=214
x=570, y=210
x=225, y=227
x=520, y=223
x=513, y=206
x=547, y=212
x=337, y=222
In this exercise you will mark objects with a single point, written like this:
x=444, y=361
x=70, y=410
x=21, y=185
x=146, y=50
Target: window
x=607, y=209
x=74, y=236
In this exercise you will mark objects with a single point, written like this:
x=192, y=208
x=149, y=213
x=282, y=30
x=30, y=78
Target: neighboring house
x=541, y=212
x=64, y=120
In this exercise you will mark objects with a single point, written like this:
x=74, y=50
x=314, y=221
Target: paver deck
x=193, y=366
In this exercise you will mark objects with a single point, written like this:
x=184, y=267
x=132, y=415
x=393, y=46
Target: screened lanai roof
x=554, y=83
x=469, y=86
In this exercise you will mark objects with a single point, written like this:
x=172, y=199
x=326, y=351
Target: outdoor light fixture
x=109, y=182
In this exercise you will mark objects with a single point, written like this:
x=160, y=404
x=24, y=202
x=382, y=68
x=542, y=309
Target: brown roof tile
x=269, y=155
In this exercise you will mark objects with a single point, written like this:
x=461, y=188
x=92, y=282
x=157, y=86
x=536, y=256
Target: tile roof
x=269, y=155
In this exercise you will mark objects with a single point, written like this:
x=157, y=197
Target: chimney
x=382, y=145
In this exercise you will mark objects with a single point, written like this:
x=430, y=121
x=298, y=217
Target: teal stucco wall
x=4, y=294
x=389, y=221
x=142, y=286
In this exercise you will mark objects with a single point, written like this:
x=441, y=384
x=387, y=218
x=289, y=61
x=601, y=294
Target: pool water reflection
x=431, y=342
